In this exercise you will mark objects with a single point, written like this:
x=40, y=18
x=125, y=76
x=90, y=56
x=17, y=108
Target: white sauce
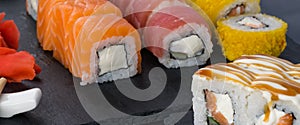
x=189, y=46
x=112, y=58
x=276, y=86
x=274, y=117
x=228, y=75
x=250, y=63
x=294, y=99
x=267, y=96
x=224, y=106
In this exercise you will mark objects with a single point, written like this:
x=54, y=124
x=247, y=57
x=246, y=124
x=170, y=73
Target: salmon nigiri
x=91, y=39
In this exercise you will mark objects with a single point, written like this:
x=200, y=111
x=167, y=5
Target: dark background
x=60, y=104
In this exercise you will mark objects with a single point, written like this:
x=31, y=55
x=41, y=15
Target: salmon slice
x=67, y=14
x=63, y=18
x=43, y=16
x=286, y=120
x=212, y=108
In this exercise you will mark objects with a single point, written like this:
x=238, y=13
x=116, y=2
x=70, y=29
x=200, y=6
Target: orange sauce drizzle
x=267, y=111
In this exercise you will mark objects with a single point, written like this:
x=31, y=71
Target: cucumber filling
x=187, y=47
x=212, y=121
x=112, y=58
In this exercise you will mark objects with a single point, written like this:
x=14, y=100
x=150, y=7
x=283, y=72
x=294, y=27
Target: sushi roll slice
x=177, y=39
x=90, y=38
x=252, y=34
x=173, y=31
x=31, y=8
x=115, y=55
x=217, y=9
x=252, y=90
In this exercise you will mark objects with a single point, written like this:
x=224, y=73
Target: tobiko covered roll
x=175, y=33
x=217, y=9
x=90, y=38
x=254, y=89
x=252, y=34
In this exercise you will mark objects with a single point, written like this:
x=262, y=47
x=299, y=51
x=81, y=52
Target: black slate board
x=60, y=103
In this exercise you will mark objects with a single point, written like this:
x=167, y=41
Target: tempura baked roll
x=254, y=89
x=252, y=34
x=217, y=9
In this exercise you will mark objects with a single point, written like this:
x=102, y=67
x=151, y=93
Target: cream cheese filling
x=274, y=117
x=112, y=58
x=186, y=47
x=224, y=106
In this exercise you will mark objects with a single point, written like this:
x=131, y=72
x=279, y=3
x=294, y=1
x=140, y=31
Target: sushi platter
x=63, y=90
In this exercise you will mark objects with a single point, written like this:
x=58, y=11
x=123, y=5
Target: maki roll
x=106, y=53
x=90, y=38
x=173, y=31
x=217, y=9
x=178, y=39
x=254, y=89
x=252, y=34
